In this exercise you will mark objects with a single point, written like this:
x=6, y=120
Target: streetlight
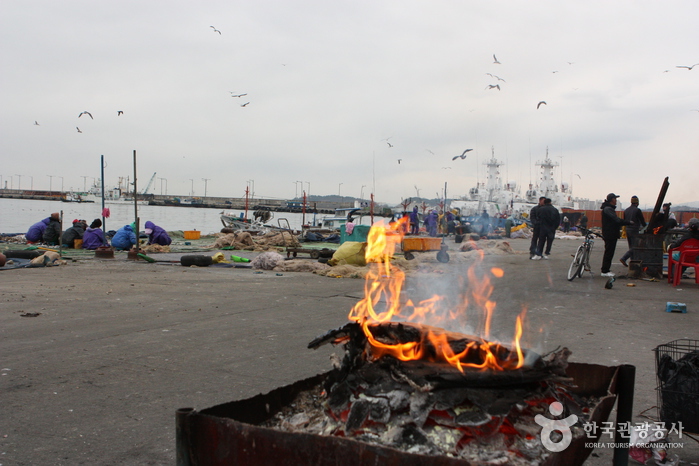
x=19, y=183
x=301, y=187
x=338, y=189
x=84, y=182
x=361, y=193
x=61, y=182
x=205, y=180
x=161, y=186
x=50, y=182
x=192, y=180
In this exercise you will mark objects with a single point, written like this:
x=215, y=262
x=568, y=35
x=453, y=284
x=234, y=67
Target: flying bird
x=389, y=144
x=36, y=123
x=399, y=160
x=539, y=104
x=237, y=95
x=688, y=67
x=496, y=77
x=119, y=112
x=462, y=156
x=493, y=86
x=78, y=129
x=446, y=168
x=496, y=60
x=429, y=151
x=85, y=113
x=245, y=104
x=215, y=30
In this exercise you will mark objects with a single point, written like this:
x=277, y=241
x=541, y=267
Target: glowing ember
x=382, y=304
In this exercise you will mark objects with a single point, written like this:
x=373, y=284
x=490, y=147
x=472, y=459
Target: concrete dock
x=118, y=346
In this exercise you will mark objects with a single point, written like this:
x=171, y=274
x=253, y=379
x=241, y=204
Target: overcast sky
x=331, y=83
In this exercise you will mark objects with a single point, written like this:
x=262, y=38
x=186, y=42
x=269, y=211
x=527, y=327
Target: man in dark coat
x=549, y=219
x=52, y=233
x=534, y=219
x=73, y=233
x=632, y=214
x=611, y=224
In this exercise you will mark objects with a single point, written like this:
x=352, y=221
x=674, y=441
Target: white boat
x=256, y=225
x=111, y=195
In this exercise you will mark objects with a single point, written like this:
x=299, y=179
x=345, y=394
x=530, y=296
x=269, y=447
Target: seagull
x=492, y=86
x=36, y=123
x=399, y=160
x=78, y=129
x=85, y=113
x=496, y=77
x=237, y=95
x=429, y=151
x=496, y=60
x=215, y=30
x=446, y=168
x=389, y=144
x=688, y=67
x=119, y=112
x=539, y=104
x=245, y=104
x=462, y=156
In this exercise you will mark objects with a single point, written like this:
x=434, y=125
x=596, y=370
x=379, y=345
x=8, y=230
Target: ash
x=427, y=408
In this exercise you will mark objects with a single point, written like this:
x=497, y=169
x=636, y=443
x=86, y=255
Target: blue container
x=676, y=307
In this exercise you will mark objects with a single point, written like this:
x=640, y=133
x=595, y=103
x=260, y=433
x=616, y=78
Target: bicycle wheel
x=575, y=269
x=585, y=263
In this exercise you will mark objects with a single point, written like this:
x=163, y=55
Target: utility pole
x=338, y=189
x=192, y=180
x=19, y=183
x=205, y=180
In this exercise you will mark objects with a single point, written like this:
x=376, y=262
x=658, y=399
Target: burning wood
x=424, y=389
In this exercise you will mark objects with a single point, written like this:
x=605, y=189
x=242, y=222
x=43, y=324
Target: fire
x=656, y=230
x=382, y=304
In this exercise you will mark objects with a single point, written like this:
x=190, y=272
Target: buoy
x=3, y=259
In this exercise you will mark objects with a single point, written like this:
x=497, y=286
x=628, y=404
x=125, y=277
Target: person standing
x=583, y=221
x=414, y=222
x=611, y=224
x=534, y=219
x=632, y=214
x=431, y=223
x=549, y=219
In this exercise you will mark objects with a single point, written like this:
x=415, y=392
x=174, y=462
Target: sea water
x=17, y=215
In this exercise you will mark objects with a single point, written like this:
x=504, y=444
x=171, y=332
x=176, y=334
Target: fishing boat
x=257, y=224
x=76, y=197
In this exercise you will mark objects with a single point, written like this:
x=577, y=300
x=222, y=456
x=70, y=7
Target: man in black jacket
x=611, y=224
x=534, y=219
x=632, y=214
x=549, y=219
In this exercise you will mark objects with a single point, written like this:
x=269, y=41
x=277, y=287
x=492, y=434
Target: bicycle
x=581, y=259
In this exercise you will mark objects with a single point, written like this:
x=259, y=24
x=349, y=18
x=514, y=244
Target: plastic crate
x=422, y=244
x=677, y=371
x=192, y=234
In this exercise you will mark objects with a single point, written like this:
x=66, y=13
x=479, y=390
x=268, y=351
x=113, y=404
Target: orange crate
x=422, y=244
x=192, y=234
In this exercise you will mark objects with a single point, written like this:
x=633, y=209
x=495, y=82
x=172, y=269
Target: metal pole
x=206, y=181
x=626, y=377
x=19, y=183
x=50, y=182
x=338, y=189
x=104, y=226
x=135, y=195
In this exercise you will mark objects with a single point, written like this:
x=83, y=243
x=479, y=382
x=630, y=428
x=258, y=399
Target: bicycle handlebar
x=590, y=232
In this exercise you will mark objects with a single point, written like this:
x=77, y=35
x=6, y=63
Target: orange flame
x=656, y=230
x=382, y=304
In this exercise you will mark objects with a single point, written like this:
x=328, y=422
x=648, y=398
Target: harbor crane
x=148, y=186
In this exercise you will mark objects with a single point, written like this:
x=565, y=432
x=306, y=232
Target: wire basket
x=677, y=371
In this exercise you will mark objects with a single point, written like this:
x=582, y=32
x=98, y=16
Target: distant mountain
x=690, y=205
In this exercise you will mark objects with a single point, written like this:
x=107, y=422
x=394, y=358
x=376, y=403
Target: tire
x=585, y=261
x=575, y=269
